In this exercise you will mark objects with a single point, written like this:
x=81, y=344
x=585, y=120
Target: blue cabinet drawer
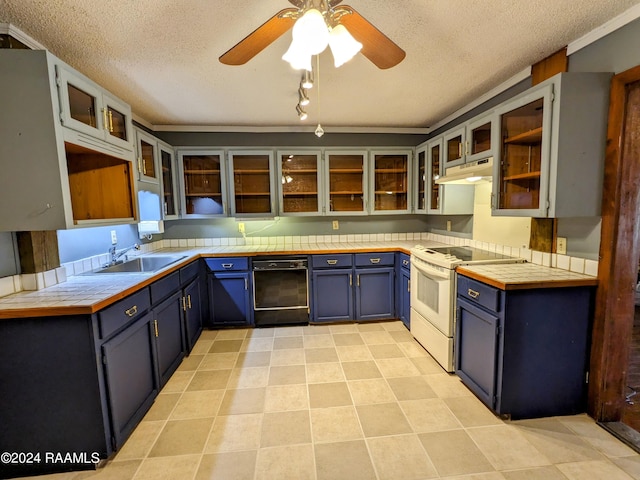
x=339, y=260
x=120, y=313
x=386, y=259
x=164, y=287
x=479, y=293
x=189, y=272
x=223, y=264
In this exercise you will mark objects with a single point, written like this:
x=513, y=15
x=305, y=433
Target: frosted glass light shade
x=343, y=46
x=311, y=31
x=297, y=56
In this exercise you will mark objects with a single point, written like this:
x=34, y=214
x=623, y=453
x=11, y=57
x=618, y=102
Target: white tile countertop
x=514, y=276
x=87, y=293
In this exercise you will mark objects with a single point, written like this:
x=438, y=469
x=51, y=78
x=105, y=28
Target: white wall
x=510, y=231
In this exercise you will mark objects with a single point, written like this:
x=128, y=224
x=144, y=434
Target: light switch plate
x=336, y=224
x=561, y=245
x=114, y=237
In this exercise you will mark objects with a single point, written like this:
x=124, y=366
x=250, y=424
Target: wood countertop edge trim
x=587, y=282
x=60, y=311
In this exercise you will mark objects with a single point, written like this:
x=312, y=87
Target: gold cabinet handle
x=473, y=293
x=374, y=260
x=358, y=280
x=409, y=286
x=132, y=311
x=332, y=262
x=155, y=326
x=460, y=150
x=104, y=119
x=184, y=304
x=350, y=280
x=189, y=301
x=110, y=121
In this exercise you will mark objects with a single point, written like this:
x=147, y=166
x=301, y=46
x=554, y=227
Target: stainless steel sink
x=141, y=264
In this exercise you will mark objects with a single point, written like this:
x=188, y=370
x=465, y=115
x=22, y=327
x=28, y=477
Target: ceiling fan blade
x=376, y=46
x=301, y=3
x=260, y=38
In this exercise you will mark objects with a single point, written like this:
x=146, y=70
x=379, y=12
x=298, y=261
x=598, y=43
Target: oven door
x=433, y=294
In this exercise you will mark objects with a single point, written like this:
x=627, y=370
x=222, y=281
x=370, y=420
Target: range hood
x=469, y=173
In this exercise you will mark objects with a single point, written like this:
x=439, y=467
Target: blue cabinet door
x=332, y=295
x=130, y=376
x=169, y=335
x=192, y=313
x=477, y=350
x=374, y=292
x=229, y=298
x=404, y=297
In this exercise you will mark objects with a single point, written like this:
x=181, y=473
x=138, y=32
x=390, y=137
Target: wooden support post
x=38, y=251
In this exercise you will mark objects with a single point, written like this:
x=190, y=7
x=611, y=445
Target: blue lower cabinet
x=524, y=353
x=332, y=295
x=193, y=308
x=169, y=335
x=229, y=299
x=131, y=376
x=353, y=287
x=374, y=292
x=404, y=297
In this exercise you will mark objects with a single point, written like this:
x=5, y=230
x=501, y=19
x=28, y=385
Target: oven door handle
x=429, y=271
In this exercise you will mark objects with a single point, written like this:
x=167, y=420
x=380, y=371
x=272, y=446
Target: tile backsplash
x=38, y=281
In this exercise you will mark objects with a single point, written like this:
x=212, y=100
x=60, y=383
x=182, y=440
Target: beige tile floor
x=356, y=401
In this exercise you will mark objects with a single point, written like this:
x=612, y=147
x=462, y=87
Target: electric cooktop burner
x=449, y=257
x=468, y=254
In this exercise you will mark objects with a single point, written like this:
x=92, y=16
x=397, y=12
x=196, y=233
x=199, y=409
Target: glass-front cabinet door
x=147, y=157
x=420, y=180
x=251, y=183
x=169, y=188
x=434, y=170
x=202, y=176
x=299, y=182
x=346, y=186
x=86, y=108
x=390, y=181
x=523, y=157
x=454, y=148
x=479, y=139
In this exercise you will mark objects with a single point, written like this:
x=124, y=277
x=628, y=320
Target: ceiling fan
x=376, y=46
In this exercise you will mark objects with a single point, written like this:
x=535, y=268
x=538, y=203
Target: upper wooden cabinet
x=346, y=185
x=251, y=188
x=300, y=182
x=468, y=142
x=551, y=148
x=87, y=108
x=58, y=177
x=202, y=178
x=389, y=182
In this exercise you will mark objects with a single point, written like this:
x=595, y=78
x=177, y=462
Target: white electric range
x=433, y=295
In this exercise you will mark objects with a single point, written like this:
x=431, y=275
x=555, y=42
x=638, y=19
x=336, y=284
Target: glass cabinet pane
x=147, y=159
x=434, y=174
x=203, y=184
x=166, y=164
x=390, y=182
x=117, y=124
x=346, y=182
x=299, y=183
x=251, y=183
x=480, y=139
x=422, y=180
x=521, y=134
x=455, y=149
x=82, y=106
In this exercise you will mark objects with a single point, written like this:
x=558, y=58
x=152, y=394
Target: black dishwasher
x=280, y=291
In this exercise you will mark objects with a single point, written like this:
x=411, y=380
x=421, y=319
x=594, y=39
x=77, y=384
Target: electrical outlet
x=241, y=227
x=336, y=225
x=561, y=245
x=448, y=225
x=114, y=237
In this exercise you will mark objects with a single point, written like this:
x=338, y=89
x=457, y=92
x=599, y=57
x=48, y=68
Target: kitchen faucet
x=115, y=256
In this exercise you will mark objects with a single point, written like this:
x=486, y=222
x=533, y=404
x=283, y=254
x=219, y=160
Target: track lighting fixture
x=307, y=79
x=303, y=99
x=301, y=113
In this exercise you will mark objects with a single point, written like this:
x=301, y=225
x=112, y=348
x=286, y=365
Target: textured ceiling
x=161, y=56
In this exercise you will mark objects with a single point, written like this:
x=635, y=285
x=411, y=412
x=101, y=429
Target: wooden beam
x=543, y=235
x=547, y=68
x=38, y=251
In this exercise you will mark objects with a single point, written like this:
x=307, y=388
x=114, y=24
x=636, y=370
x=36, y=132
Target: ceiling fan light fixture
x=311, y=31
x=301, y=113
x=343, y=46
